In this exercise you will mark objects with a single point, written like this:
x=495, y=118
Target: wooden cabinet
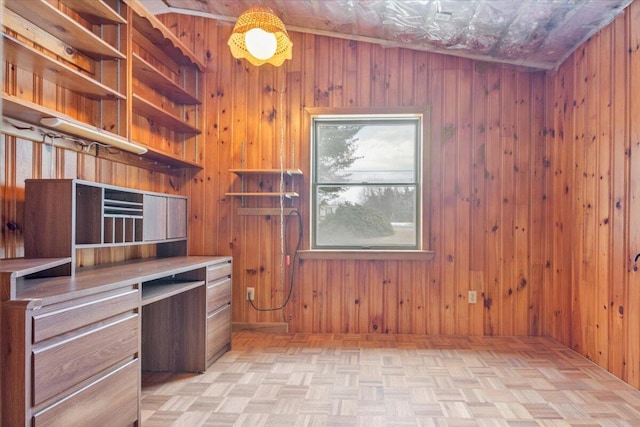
x=72, y=347
x=70, y=214
x=67, y=355
x=122, y=74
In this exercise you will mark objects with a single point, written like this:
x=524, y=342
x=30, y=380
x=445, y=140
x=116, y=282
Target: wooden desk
x=73, y=346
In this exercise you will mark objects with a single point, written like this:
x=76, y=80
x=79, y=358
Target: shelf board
x=288, y=194
x=156, y=291
x=169, y=160
x=96, y=11
x=26, y=111
x=151, y=111
x=154, y=30
x=153, y=77
x=30, y=59
x=63, y=27
x=289, y=172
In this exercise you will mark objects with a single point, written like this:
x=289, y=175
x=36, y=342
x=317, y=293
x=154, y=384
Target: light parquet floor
x=391, y=380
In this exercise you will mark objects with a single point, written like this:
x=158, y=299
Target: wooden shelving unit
x=79, y=46
x=66, y=29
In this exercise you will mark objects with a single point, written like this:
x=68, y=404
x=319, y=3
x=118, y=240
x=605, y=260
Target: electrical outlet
x=250, y=293
x=473, y=297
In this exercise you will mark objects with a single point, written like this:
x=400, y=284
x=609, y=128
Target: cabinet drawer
x=65, y=363
x=218, y=294
x=83, y=312
x=218, y=271
x=111, y=400
x=218, y=332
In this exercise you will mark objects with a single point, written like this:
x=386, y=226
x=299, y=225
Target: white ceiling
x=538, y=34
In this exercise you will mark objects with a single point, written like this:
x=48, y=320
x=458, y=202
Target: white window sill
x=367, y=255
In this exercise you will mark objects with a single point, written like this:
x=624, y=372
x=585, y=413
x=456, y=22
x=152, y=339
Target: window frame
x=416, y=117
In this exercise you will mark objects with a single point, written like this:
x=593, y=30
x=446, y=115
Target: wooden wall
x=530, y=189
x=592, y=296
x=484, y=189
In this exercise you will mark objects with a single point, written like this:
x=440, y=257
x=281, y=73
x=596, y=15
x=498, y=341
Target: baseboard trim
x=270, y=327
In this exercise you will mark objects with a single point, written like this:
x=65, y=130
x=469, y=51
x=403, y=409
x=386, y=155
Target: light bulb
x=260, y=44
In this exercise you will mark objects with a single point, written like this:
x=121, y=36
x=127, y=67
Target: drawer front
x=110, y=401
x=83, y=312
x=64, y=364
x=218, y=332
x=218, y=294
x=218, y=271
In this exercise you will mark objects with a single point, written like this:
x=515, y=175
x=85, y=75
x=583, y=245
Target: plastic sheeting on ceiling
x=534, y=33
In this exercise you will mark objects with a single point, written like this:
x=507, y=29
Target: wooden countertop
x=100, y=278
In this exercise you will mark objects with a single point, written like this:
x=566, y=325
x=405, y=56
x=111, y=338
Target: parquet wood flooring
x=391, y=380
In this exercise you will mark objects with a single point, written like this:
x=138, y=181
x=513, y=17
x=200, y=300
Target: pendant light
x=260, y=37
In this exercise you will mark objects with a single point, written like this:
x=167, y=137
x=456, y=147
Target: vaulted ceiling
x=538, y=34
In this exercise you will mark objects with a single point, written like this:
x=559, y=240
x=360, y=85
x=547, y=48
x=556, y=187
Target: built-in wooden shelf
x=153, y=112
x=161, y=289
x=151, y=76
x=29, y=112
x=289, y=172
x=40, y=64
x=96, y=11
x=169, y=160
x=55, y=22
x=286, y=194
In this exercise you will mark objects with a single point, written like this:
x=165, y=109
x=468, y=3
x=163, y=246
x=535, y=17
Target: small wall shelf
x=245, y=173
x=289, y=172
x=287, y=194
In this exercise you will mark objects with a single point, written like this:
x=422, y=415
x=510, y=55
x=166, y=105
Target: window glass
x=366, y=182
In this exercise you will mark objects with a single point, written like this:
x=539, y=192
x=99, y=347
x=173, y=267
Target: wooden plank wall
x=592, y=296
x=484, y=189
x=531, y=189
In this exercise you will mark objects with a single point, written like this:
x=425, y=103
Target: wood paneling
x=529, y=197
x=484, y=143
x=592, y=138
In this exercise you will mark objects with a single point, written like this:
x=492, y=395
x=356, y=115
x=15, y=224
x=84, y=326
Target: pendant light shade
x=260, y=37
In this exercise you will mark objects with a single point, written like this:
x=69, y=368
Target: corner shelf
x=153, y=112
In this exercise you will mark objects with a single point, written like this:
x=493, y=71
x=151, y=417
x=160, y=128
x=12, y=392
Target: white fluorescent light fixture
x=92, y=134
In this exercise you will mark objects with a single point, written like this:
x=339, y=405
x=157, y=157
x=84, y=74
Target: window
x=366, y=182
